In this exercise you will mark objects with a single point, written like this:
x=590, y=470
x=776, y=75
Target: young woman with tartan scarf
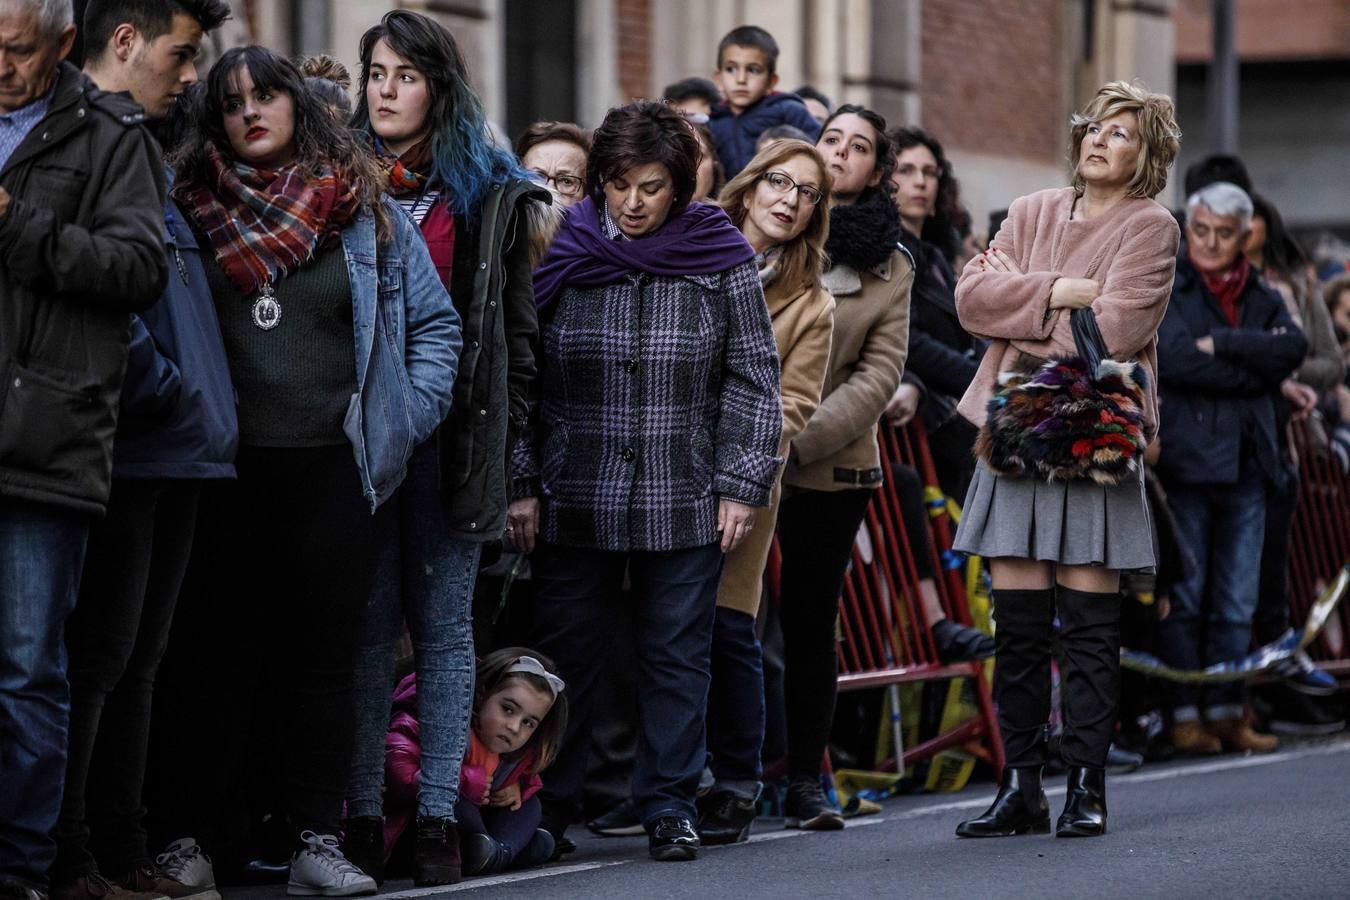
x=478, y=214
x=343, y=345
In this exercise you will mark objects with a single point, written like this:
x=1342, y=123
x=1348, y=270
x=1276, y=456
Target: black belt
x=863, y=477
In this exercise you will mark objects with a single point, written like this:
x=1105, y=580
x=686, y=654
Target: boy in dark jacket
x=746, y=61
x=176, y=428
x=1225, y=345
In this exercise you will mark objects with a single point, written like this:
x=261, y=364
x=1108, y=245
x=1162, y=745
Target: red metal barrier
x=1320, y=544
x=885, y=633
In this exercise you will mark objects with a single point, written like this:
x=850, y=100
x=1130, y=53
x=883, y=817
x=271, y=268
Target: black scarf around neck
x=865, y=234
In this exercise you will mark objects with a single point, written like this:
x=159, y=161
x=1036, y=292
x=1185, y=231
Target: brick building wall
x=1268, y=30
x=1003, y=93
x=633, y=21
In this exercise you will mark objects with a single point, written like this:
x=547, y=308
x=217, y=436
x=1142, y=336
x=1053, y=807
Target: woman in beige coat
x=834, y=464
x=780, y=202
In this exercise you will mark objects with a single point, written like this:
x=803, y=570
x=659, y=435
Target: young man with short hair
x=176, y=427
x=747, y=60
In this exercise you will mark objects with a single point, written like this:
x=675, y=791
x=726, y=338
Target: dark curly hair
x=641, y=133
x=321, y=141
x=942, y=228
x=885, y=150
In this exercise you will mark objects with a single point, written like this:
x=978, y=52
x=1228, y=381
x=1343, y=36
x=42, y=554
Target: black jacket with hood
x=81, y=247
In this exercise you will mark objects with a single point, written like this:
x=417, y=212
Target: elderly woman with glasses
x=654, y=438
x=555, y=154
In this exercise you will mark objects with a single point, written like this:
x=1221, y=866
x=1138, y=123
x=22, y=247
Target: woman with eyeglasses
x=478, y=214
x=780, y=201
x=834, y=464
x=654, y=440
x=554, y=153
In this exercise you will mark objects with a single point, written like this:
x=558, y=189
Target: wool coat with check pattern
x=658, y=396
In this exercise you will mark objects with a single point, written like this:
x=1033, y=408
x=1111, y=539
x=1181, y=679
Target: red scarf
x=407, y=173
x=263, y=223
x=1227, y=286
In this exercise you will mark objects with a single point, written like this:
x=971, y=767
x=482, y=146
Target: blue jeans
x=736, y=702
x=41, y=556
x=1211, y=617
x=674, y=595
x=428, y=579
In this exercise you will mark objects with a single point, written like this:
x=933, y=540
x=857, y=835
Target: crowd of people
x=281, y=375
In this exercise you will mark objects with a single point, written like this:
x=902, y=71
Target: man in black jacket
x=1224, y=346
x=81, y=246
x=176, y=427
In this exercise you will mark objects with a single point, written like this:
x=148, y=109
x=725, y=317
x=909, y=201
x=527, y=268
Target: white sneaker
x=184, y=862
x=320, y=870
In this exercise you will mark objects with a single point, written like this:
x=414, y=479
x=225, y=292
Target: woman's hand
x=522, y=524
x=1074, y=293
x=903, y=405
x=508, y=796
x=997, y=261
x=734, y=522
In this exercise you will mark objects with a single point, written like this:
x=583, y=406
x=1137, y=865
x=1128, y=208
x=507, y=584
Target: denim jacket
x=407, y=350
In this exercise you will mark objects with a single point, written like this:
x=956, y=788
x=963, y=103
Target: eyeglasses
x=567, y=185
x=783, y=184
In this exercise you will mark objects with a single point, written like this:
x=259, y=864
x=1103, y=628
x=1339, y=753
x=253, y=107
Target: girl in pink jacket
x=519, y=715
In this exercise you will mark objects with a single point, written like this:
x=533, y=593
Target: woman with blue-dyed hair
x=482, y=220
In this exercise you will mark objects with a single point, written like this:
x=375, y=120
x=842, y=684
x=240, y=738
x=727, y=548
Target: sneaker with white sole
x=184, y=872
x=320, y=870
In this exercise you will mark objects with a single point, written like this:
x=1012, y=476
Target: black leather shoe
x=1019, y=808
x=959, y=643
x=672, y=839
x=724, y=817
x=806, y=807
x=363, y=845
x=1085, y=805
x=483, y=855
x=436, y=856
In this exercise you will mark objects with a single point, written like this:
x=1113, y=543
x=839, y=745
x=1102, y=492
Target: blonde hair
x=804, y=255
x=1160, y=138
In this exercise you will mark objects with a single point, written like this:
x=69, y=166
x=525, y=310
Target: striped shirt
x=419, y=206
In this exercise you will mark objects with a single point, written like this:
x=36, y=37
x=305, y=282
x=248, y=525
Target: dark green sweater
x=294, y=381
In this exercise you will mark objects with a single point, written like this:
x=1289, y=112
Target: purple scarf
x=699, y=241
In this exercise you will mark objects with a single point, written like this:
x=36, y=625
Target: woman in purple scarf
x=653, y=438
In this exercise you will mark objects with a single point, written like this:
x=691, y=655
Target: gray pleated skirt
x=1076, y=523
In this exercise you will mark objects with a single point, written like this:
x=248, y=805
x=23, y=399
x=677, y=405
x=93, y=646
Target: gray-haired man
x=81, y=246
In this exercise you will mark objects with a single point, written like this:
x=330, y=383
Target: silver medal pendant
x=266, y=309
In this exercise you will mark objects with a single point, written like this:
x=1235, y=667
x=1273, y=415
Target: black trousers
x=115, y=639
x=1272, y=603
x=816, y=530
x=287, y=578
x=1089, y=672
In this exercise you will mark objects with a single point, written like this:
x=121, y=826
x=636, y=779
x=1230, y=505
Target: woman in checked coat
x=654, y=439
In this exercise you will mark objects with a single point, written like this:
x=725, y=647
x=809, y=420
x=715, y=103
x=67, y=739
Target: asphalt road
x=1268, y=826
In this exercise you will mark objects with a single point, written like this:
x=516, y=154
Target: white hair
x=54, y=16
x=1223, y=199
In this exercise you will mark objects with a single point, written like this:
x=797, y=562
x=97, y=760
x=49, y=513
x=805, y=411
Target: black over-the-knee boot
x=1023, y=625
x=1090, y=694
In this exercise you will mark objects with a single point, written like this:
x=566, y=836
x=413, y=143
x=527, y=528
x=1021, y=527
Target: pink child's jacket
x=403, y=766
x=480, y=768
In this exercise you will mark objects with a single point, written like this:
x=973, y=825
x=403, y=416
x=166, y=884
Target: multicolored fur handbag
x=1074, y=418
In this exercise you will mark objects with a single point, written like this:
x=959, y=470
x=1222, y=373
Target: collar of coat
x=842, y=280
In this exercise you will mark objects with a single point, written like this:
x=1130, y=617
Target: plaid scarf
x=263, y=223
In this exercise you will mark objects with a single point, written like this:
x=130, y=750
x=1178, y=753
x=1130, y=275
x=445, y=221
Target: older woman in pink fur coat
x=1059, y=546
